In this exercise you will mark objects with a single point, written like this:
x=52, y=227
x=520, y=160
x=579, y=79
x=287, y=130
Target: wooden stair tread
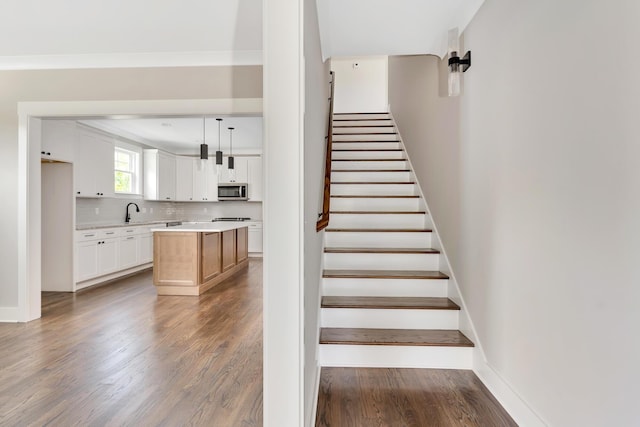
x=375, y=196
x=379, y=230
x=384, y=274
x=360, y=150
x=365, y=140
x=370, y=170
x=354, y=114
x=363, y=119
x=368, y=160
x=418, y=303
x=364, y=133
x=372, y=182
x=364, y=126
x=399, y=337
x=381, y=251
x=379, y=212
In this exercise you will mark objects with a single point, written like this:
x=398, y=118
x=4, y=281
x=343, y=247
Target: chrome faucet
x=127, y=218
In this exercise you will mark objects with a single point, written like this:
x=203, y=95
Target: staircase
x=384, y=300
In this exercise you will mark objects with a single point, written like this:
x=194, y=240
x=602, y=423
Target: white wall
x=283, y=214
x=361, y=84
x=315, y=130
x=532, y=178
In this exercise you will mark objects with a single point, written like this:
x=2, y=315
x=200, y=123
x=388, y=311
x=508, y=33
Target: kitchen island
x=190, y=259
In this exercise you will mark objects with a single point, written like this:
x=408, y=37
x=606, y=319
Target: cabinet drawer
x=131, y=231
x=85, y=235
x=109, y=233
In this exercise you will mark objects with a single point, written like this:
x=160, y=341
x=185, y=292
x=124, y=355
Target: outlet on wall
x=150, y=210
x=97, y=211
x=144, y=210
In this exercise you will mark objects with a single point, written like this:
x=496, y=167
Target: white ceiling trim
x=132, y=60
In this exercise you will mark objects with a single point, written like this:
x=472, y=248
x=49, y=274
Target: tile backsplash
x=112, y=211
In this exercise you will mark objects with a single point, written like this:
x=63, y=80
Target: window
x=127, y=167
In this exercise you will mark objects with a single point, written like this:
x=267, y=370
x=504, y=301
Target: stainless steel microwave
x=233, y=191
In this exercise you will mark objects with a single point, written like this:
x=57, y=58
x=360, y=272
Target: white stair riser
x=374, y=239
x=344, y=122
x=334, y=261
x=385, y=287
x=373, y=189
x=367, y=145
x=400, y=220
x=369, y=116
x=388, y=318
x=375, y=204
x=358, y=129
x=396, y=356
x=370, y=176
x=336, y=155
x=360, y=137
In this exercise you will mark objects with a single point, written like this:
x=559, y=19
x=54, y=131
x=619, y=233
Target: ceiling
x=36, y=33
x=183, y=135
x=386, y=27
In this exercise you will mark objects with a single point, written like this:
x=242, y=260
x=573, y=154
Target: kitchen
x=97, y=215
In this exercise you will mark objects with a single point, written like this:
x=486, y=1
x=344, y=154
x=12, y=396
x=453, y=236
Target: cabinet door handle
x=109, y=232
x=130, y=238
x=88, y=235
x=42, y=152
x=77, y=192
x=48, y=154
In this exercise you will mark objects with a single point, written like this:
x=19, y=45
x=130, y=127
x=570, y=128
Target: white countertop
x=199, y=227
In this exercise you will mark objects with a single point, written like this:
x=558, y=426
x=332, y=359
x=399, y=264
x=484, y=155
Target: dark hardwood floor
x=367, y=397
x=119, y=355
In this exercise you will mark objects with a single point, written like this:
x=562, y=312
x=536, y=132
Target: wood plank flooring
x=119, y=355
x=367, y=397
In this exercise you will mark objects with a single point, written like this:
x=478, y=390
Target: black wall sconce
x=457, y=65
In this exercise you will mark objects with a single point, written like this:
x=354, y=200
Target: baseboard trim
x=9, y=315
x=112, y=277
x=316, y=392
x=512, y=402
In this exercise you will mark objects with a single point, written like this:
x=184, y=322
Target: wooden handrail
x=326, y=200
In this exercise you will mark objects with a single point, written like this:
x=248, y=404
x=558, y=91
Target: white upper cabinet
x=159, y=175
x=184, y=179
x=58, y=140
x=196, y=180
x=205, y=180
x=93, y=165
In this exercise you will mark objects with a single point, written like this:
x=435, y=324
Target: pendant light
x=219, y=152
x=204, y=148
x=231, y=159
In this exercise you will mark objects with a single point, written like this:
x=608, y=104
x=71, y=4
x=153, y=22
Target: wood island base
x=192, y=262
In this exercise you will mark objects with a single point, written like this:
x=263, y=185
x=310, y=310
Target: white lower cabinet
x=107, y=256
x=146, y=247
x=255, y=237
x=128, y=254
x=106, y=252
x=86, y=260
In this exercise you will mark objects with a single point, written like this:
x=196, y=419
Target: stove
x=230, y=219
